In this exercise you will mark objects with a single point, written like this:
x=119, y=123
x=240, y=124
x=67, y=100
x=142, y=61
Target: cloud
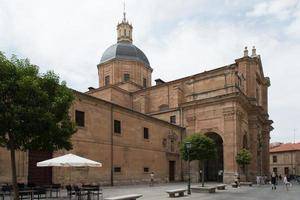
x=280, y=9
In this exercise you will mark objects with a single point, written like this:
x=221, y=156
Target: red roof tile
x=286, y=147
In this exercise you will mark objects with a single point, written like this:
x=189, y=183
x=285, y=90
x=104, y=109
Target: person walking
x=286, y=182
x=273, y=181
x=151, y=178
x=258, y=180
x=237, y=180
x=280, y=177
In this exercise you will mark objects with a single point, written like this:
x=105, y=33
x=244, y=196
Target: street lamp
x=188, y=147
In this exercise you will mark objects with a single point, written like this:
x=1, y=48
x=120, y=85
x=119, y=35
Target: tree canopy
x=243, y=157
x=34, y=110
x=202, y=147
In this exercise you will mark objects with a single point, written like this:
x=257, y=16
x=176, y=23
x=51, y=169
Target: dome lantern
x=124, y=30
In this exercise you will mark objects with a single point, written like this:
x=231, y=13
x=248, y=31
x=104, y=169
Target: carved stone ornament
x=172, y=136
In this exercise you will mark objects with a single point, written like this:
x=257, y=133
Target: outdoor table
x=23, y=193
x=53, y=188
x=89, y=190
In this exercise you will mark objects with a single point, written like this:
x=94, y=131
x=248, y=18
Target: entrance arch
x=214, y=168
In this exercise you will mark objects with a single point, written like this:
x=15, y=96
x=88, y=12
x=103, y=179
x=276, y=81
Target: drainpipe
x=111, y=145
x=181, y=139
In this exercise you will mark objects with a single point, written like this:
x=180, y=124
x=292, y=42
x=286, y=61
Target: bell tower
x=124, y=30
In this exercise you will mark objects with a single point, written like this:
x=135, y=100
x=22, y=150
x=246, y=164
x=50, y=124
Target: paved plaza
x=157, y=192
x=263, y=192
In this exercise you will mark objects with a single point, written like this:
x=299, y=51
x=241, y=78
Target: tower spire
x=124, y=12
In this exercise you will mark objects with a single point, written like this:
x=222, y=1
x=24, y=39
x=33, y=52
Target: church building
x=134, y=128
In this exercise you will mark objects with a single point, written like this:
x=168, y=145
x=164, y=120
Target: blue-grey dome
x=124, y=50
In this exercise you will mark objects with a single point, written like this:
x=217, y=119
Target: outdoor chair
x=31, y=185
x=2, y=195
x=40, y=193
x=79, y=193
x=56, y=189
x=6, y=190
x=97, y=191
x=21, y=186
x=70, y=191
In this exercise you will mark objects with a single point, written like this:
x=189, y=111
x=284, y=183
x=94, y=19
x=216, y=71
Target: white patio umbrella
x=69, y=160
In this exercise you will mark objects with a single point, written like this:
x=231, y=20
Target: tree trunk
x=246, y=172
x=199, y=171
x=203, y=163
x=14, y=173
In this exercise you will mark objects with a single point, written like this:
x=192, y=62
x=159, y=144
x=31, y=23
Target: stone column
x=254, y=167
x=229, y=145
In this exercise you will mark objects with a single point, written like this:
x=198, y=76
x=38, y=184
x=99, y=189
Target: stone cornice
x=115, y=86
x=205, y=75
x=123, y=59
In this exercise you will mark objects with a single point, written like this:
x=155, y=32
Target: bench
x=125, y=197
x=203, y=189
x=246, y=183
x=221, y=187
x=173, y=192
x=234, y=185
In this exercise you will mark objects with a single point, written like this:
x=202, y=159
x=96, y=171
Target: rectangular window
x=126, y=77
x=117, y=169
x=144, y=82
x=117, y=126
x=146, y=169
x=286, y=171
x=173, y=119
x=275, y=170
x=107, y=81
x=274, y=159
x=79, y=118
x=146, y=133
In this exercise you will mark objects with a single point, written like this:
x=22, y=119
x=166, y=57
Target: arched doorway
x=214, y=168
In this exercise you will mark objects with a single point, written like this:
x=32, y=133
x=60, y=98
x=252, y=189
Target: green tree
x=243, y=158
x=203, y=148
x=34, y=110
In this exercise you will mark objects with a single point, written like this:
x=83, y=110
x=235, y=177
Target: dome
x=124, y=50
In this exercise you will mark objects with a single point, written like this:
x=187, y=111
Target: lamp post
x=188, y=147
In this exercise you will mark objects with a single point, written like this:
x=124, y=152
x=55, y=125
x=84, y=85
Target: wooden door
x=171, y=171
x=39, y=175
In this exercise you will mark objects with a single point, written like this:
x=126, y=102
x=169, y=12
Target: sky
x=179, y=37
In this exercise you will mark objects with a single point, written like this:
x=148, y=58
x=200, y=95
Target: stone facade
x=228, y=104
x=285, y=159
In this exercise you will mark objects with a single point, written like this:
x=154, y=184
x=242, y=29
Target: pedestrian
x=151, y=178
x=286, y=182
x=280, y=177
x=220, y=175
x=258, y=180
x=273, y=181
x=237, y=180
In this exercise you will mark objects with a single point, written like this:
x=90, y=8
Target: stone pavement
x=157, y=192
